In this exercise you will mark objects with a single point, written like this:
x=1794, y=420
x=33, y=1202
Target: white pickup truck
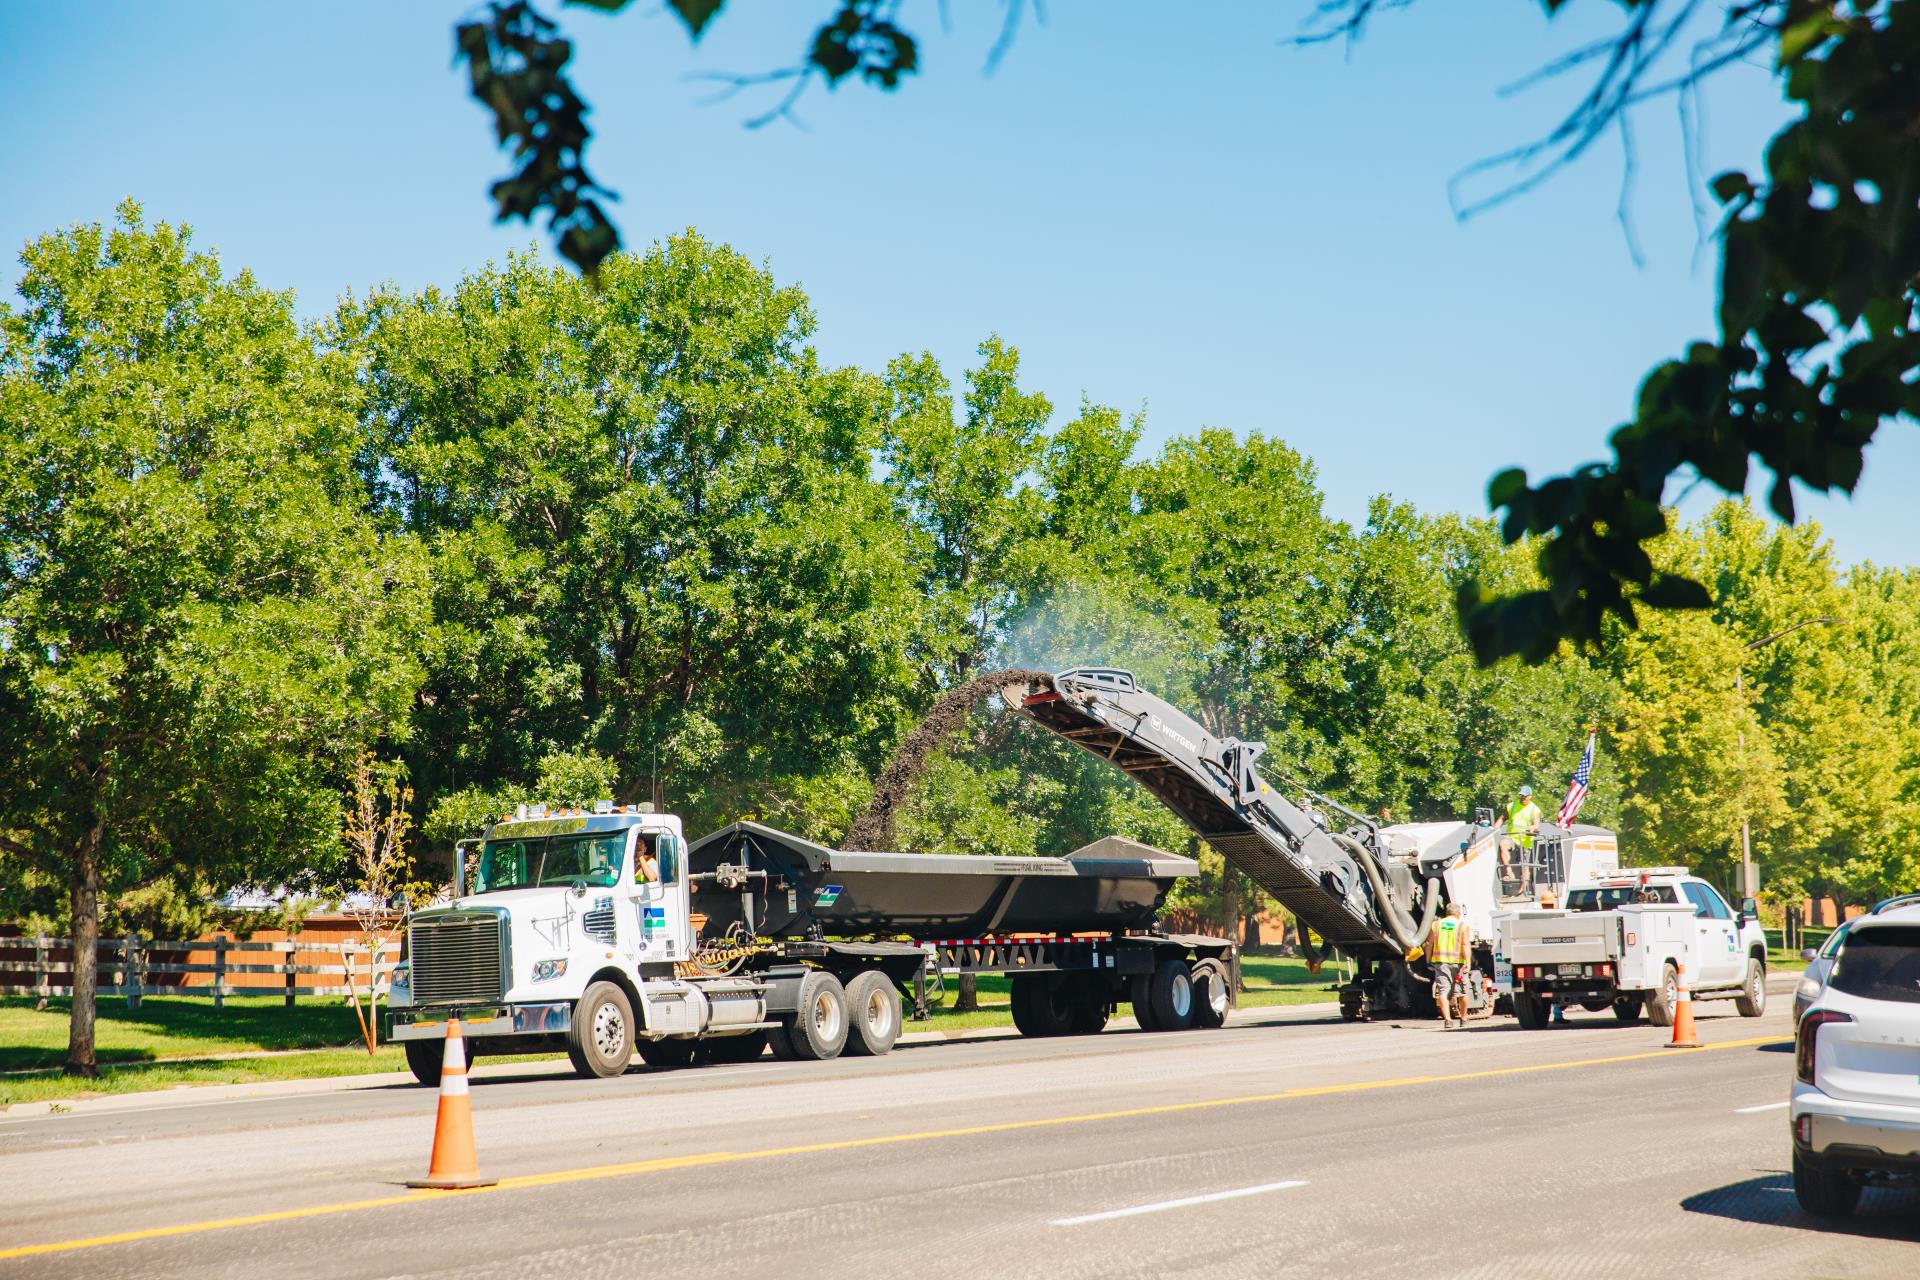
x=1619, y=942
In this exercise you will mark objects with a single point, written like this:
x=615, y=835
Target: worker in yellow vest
x=1448, y=950
x=1523, y=819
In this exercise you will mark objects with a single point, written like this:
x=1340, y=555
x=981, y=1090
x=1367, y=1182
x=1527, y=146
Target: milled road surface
x=1284, y=1145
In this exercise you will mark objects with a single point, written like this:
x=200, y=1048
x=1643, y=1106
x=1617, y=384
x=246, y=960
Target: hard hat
x=1526, y=791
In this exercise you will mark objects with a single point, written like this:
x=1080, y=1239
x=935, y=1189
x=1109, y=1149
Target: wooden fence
x=128, y=967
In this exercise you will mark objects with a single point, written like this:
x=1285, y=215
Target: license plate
x=1569, y=970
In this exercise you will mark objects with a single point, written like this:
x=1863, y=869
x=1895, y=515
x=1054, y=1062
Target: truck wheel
x=1823, y=1192
x=424, y=1058
x=1142, y=1000
x=1662, y=1000
x=670, y=1053
x=1048, y=1001
x=1170, y=992
x=600, y=1041
x=1089, y=1006
x=819, y=1029
x=780, y=1044
x=1530, y=1010
x=1629, y=1008
x=735, y=1049
x=1213, y=994
x=1752, y=1000
x=874, y=1007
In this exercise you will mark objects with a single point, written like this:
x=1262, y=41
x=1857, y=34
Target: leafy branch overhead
x=1820, y=259
x=517, y=64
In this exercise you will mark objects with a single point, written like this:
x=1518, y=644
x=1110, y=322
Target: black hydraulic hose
x=1402, y=928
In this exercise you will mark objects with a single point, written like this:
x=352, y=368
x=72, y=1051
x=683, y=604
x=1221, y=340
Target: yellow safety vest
x=1449, y=942
x=1522, y=817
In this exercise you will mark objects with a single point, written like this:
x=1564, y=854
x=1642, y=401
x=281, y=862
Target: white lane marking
x=1765, y=1106
x=1181, y=1203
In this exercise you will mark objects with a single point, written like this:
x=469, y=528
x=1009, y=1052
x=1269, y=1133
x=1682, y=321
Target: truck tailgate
x=1560, y=937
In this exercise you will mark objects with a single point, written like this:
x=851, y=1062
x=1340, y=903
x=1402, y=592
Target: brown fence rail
x=128, y=965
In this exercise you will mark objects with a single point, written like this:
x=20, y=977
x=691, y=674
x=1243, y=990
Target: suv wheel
x=1824, y=1192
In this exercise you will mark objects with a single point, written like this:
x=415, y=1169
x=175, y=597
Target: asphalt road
x=1286, y=1145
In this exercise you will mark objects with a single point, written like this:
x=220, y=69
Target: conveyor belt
x=1212, y=785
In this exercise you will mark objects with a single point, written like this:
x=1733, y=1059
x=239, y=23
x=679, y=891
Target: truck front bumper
x=484, y=1020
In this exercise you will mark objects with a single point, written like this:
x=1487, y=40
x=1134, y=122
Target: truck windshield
x=595, y=859
x=1607, y=898
x=516, y=864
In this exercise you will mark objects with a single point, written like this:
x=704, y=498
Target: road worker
x=1448, y=951
x=1516, y=849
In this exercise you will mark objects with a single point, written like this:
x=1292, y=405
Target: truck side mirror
x=1749, y=910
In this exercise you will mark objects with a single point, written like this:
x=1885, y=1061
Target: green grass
x=176, y=1041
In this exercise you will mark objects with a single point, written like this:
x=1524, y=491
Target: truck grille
x=598, y=922
x=456, y=959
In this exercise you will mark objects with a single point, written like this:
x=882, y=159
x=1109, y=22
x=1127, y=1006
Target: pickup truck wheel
x=1629, y=1008
x=1142, y=1000
x=424, y=1058
x=1824, y=1192
x=819, y=1029
x=1530, y=1010
x=600, y=1041
x=1752, y=1000
x=1213, y=994
x=1171, y=994
x=1664, y=999
x=874, y=1007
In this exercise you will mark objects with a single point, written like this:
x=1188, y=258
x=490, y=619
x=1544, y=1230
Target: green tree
x=199, y=625
x=958, y=485
x=653, y=529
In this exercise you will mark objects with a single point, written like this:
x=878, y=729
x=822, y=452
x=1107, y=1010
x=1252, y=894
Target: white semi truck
x=1618, y=942
x=604, y=932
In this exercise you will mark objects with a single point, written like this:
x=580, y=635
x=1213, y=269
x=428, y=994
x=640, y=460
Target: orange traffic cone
x=454, y=1164
x=1683, y=1036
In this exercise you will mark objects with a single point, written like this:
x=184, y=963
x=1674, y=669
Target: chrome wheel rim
x=1217, y=996
x=1757, y=988
x=609, y=1030
x=879, y=1013
x=826, y=1016
x=1182, y=995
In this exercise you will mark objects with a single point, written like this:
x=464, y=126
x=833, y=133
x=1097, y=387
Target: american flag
x=1577, y=793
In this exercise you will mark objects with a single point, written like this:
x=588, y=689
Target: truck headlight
x=547, y=970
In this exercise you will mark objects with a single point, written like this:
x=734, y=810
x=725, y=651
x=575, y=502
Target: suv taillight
x=1809, y=1033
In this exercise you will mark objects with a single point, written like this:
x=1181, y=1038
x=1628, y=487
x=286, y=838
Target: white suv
x=1856, y=1093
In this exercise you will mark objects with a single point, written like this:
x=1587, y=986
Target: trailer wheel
x=1752, y=1000
x=1531, y=1010
x=424, y=1058
x=1089, y=1006
x=819, y=1029
x=1664, y=999
x=600, y=1041
x=1213, y=994
x=1170, y=992
x=1044, y=1004
x=1629, y=1008
x=670, y=1053
x=874, y=1007
x=1143, y=1002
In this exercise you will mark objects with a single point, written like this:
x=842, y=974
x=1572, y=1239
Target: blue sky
x=1162, y=212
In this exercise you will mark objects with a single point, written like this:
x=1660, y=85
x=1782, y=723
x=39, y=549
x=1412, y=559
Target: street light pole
x=1749, y=874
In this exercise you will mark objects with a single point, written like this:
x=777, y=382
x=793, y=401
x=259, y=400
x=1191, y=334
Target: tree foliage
x=199, y=624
